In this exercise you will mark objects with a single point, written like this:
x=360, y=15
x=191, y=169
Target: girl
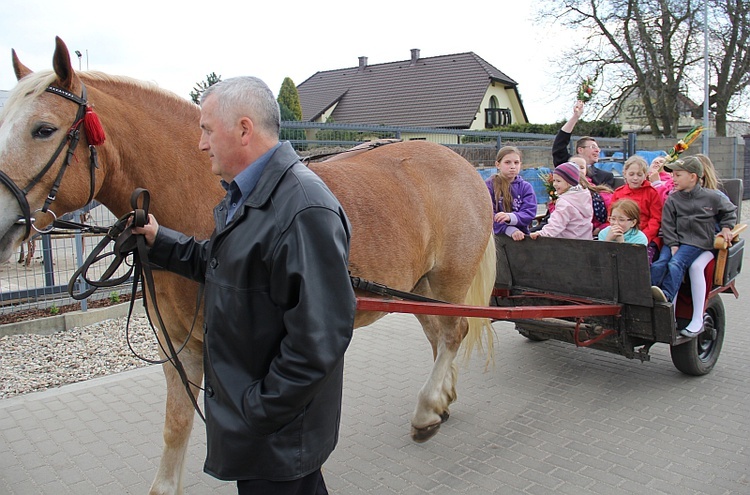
x=642, y=192
x=601, y=196
x=659, y=178
x=571, y=218
x=696, y=272
x=623, y=224
x=513, y=199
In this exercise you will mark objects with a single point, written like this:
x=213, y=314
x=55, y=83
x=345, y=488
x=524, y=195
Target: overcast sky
x=177, y=44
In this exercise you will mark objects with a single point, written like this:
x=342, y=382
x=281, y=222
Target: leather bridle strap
x=127, y=244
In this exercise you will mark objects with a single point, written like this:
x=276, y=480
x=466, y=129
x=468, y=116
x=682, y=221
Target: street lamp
x=79, y=54
x=706, y=126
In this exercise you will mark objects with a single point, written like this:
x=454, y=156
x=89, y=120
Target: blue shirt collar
x=244, y=183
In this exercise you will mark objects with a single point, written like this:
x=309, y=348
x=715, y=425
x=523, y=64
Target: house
x=460, y=91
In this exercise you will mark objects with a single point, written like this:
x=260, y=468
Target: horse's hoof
x=421, y=435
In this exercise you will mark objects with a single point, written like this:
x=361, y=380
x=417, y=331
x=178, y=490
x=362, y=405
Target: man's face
x=219, y=140
x=589, y=151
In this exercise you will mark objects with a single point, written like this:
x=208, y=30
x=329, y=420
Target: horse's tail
x=480, y=329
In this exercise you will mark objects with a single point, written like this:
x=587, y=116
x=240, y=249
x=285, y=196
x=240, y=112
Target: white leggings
x=698, y=287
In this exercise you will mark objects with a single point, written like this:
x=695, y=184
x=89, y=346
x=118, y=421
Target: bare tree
x=655, y=48
x=729, y=58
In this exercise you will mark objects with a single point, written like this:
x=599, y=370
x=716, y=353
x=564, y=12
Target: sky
x=176, y=44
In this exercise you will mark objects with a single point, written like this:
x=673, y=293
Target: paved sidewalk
x=548, y=418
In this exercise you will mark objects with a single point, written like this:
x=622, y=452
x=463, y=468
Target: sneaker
x=658, y=294
x=689, y=334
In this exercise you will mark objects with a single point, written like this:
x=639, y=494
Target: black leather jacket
x=279, y=313
x=560, y=154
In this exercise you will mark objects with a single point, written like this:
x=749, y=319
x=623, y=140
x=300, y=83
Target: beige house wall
x=506, y=98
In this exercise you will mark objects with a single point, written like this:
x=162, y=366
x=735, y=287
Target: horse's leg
x=445, y=335
x=178, y=424
x=31, y=249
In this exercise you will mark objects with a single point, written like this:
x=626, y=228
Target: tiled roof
x=444, y=91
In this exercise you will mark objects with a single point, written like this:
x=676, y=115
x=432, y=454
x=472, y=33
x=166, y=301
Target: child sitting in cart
x=513, y=199
x=573, y=212
x=601, y=196
x=641, y=191
x=691, y=214
x=623, y=224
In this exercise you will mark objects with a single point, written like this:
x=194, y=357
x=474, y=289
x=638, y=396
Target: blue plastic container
x=486, y=173
x=531, y=175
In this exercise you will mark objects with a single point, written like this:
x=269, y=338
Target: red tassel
x=93, y=127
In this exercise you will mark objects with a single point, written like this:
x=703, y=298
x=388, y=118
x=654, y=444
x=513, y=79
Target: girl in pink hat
x=573, y=212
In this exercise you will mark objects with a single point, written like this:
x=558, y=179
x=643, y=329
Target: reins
x=131, y=249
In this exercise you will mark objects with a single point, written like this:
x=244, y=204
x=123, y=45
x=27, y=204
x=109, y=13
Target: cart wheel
x=698, y=356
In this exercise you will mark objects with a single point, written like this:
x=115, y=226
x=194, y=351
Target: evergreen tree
x=289, y=98
x=201, y=86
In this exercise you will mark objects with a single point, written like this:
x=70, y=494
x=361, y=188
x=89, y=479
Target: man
x=279, y=305
x=586, y=147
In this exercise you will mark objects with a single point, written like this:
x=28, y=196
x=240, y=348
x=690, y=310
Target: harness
x=95, y=136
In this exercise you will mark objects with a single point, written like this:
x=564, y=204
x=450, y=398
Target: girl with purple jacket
x=513, y=199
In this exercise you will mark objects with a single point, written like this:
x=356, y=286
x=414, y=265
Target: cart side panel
x=607, y=271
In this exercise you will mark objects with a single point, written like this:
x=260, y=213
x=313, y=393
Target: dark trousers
x=312, y=484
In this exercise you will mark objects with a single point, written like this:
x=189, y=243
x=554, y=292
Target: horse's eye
x=43, y=131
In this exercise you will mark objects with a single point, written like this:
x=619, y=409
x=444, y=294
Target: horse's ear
x=61, y=64
x=20, y=69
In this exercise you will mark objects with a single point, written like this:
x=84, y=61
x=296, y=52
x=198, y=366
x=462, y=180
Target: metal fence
x=40, y=280
x=37, y=278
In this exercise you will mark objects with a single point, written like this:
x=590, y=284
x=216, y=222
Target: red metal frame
x=495, y=313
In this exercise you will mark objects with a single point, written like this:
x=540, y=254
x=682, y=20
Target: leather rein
x=131, y=249
x=71, y=140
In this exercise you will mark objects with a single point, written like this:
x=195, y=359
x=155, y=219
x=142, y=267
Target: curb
x=52, y=324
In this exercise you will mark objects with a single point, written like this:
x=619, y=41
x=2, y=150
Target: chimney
x=414, y=56
x=362, y=64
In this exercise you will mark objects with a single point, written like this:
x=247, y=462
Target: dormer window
x=496, y=117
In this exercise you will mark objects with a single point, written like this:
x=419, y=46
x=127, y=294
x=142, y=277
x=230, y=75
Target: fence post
x=631, y=142
x=78, y=240
x=49, y=270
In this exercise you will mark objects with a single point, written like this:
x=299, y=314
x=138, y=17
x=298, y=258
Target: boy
x=689, y=220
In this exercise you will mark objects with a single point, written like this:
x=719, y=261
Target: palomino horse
x=420, y=214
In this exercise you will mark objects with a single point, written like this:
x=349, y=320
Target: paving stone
x=545, y=418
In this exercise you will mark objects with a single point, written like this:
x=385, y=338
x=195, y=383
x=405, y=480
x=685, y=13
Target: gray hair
x=246, y=96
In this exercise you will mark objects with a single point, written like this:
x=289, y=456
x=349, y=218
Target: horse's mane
x=27, y=88
x=35, y=83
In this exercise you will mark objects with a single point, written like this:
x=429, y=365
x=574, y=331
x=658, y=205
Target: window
x=495, y=117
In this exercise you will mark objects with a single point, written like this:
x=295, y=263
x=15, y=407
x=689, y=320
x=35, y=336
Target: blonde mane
x=35, y=84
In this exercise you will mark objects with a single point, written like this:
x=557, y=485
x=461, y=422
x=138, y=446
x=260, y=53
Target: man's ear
x=247, y=128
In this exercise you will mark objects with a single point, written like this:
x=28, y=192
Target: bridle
x=71, y=139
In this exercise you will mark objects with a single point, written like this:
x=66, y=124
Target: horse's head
x=40, y=129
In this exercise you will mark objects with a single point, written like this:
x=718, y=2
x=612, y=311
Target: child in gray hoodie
x=688, y=226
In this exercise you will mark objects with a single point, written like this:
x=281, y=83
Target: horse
x=420, y=215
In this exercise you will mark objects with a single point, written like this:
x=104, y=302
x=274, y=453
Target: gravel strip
x=33, y=362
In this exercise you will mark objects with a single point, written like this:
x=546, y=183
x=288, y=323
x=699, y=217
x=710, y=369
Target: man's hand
x=149, y=230
x=578, y=109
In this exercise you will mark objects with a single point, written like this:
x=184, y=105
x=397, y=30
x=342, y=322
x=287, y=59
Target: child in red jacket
x=649, y=201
